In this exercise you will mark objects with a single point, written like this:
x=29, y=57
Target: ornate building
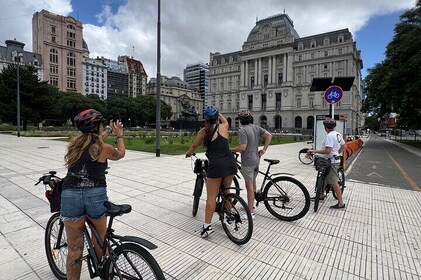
x=272, y=74
x=59, y=41
x=181, y=96
x=136, y=74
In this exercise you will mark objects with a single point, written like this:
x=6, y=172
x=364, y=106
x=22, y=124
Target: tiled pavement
x=376, y=237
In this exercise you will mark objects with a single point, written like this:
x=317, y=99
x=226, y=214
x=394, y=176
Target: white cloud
x=192, y=29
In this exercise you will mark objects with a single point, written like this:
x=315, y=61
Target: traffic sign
x=333, y=94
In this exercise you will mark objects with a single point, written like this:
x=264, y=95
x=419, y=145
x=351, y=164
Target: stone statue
x=188, y=112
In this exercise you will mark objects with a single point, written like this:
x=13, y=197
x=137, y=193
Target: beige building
x=179, y=95
x=136, y=74
x=272, y=74
x=59, y=41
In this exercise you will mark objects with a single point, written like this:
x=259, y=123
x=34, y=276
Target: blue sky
x=191, y=29
x=373, y=38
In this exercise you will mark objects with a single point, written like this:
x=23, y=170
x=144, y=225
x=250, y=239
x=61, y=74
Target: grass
x=171, y=143
x=415, y=144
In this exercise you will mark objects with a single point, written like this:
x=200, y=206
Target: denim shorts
x=77, y=203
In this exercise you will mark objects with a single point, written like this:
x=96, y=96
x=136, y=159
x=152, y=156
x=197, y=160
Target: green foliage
x=372, y=123
x=393, y=85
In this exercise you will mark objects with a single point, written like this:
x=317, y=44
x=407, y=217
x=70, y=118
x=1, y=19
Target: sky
x=191, y=29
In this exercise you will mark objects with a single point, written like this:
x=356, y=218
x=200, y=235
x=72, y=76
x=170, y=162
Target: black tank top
x=86, y=173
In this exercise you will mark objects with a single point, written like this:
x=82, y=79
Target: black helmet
x=329, y=123
x=88, y=121
x=245, y=117
x=211, y=113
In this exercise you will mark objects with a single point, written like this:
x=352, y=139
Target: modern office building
x=117, y=78
x=179, y=95
x=197, y=76
x=136, y=74
x=59, y=41
x=13, y=53
x=272, y=74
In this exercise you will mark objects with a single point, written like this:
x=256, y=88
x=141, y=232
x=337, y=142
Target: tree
x=394, y=84
x=36, y=98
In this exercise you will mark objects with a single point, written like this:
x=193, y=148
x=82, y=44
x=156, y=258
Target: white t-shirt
x=333, y=140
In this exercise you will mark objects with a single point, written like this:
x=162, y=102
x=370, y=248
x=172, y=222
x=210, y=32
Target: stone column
x=289, y=68
x=242, y=73
x=274, y=79
x=284, y=74
x=270, y=70
x=246, y=78
x=260, y=72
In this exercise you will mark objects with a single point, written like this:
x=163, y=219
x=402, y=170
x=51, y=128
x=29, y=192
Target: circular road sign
x=333, y=94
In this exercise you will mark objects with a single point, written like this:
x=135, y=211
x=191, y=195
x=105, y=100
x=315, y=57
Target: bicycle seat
x=116, y=210
x=272, y=161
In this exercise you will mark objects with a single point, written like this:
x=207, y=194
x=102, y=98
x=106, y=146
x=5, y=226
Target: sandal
x=336, y=206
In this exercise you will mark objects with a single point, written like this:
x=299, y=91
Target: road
x=382, y=162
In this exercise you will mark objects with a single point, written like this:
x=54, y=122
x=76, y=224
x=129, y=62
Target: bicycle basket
x=53, y=194
x=321, y=164
x=200, y=165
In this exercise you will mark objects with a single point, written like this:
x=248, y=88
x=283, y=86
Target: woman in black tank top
x=222, y=166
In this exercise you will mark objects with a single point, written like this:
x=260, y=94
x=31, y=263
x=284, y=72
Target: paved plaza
x=377, y=236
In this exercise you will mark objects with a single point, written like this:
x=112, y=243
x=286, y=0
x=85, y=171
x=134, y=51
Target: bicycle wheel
x=286, y=198
x=302, y=157
x=198, y=188
x=318, y=189
x=341, y=181
x=55, y=249
x=236, y=218
x=131, y=261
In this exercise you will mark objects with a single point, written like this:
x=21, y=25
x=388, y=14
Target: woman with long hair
x=222, y=166
x=84, y=188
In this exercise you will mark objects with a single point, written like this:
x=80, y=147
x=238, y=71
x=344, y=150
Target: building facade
x=95, y=77
x=271, y=76
x=136, y=74
x=13, y=53
x=197, y=76
x=179, y=95
x=117, y=78
x=59, y=41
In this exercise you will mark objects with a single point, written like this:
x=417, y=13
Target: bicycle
x=304, y=157
x=200, y=168
x=323, y=166
x=122, y=257
x=232, y=210
x=284, y=197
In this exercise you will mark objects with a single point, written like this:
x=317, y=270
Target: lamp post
x=17, y=55
x=130, y=123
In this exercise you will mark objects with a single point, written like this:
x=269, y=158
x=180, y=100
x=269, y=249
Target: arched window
x=229, y=122
x=310, y=122
x=298, y=122
x=278, y=122
x=71, y=60
x=263, y=121
x=53, y=56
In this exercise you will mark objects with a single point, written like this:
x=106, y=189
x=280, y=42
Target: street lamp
x=130, y=123
x=17, y=55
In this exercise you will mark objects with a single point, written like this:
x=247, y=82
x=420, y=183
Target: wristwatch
x=109, y=129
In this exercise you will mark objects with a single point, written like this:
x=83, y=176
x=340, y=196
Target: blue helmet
x=211, y=113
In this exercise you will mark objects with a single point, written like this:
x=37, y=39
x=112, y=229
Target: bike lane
x=385, y=163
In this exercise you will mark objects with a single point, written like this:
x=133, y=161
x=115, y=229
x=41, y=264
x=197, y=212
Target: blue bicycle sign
x=333, y=94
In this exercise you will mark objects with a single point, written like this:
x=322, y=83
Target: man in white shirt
x=333, y=144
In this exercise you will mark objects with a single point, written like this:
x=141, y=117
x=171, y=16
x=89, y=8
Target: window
x=71, y=35
x=53, y=39
x=265, y=80
x=311, y=103
x=71, y=84
x=71, y=60
x=71, y=43
x=310, y=122
x=298, y=122
x=250, y=102
x=53, y=69
x=298, y=103
x=280, y=78
x=54, y=81
x=339, y=51
x=71, y=72
x=252, y=82
x=53, y=56
x=278, y=100
x=326, y=53
x=264, y=102
x=53, y=29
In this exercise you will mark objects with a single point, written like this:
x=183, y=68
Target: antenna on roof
x=257, y=18
x=133, y=52
x=284, y=11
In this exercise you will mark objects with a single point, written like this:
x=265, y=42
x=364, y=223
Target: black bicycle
x=232, y=210
x=122, y=257
x=200, y=168
x=323, y=167
x=304, y=156
x=284, y=197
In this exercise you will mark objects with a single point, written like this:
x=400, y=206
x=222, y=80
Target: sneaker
x=336, y=206
x=206, y=231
